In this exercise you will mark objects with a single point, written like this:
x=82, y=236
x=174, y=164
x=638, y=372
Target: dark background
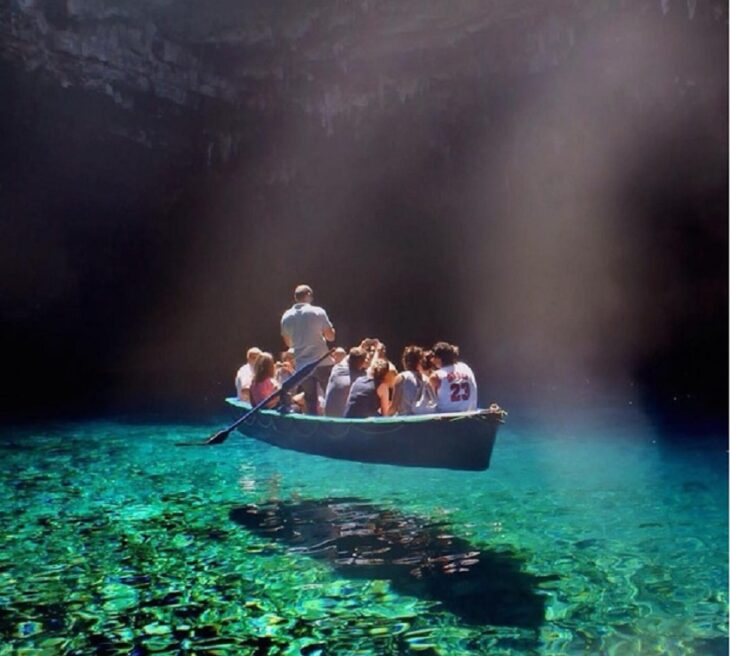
x=559, y=210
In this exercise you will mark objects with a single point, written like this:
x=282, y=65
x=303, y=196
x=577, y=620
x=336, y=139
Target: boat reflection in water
x=420, y=557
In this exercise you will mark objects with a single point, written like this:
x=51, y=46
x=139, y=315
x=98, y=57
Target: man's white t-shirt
x=458, y=389
x=304, y=324
x=244, y=378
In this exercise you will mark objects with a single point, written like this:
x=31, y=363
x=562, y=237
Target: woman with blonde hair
x=264, y=382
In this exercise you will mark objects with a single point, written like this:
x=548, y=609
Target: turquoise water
x=597, y=536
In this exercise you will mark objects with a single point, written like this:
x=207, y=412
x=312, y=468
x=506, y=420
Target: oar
x=296, y=378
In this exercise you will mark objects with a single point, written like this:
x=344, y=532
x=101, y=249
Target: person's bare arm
x=328, y=330
x=284, y=330
x=397, y=394
x=287, y=339
x=383, y=395
x=275, y=401
x=376, y=352
x=435, y=382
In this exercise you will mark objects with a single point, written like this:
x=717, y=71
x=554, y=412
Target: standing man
x=306, y=328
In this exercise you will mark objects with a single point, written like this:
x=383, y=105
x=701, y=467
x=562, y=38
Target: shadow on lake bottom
x=420, y=557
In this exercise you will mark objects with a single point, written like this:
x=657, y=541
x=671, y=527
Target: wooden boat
x=461, y=440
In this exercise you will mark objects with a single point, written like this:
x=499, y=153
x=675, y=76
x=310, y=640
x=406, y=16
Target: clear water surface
x=594, y=536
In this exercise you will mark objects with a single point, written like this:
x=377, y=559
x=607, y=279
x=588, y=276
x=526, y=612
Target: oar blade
x=217, y=438
x=220, y=437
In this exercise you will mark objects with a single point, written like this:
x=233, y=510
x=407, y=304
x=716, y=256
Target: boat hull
x=450, y=441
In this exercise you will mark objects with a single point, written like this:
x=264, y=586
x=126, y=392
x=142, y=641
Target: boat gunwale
x=396, y=419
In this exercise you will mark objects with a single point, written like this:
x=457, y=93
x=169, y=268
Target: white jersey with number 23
x=458, y=389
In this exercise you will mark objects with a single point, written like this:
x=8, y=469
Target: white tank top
x=458, y=389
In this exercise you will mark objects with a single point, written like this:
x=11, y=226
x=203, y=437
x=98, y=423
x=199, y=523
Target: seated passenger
x=426, y=405
x=453, y=381
x=342, y=376
x=409, y=385
x=244, y=376
x=264, y=384
x=370, y=394
x=286, y=367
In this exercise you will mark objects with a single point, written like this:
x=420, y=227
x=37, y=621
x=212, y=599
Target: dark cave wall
x=170, y=171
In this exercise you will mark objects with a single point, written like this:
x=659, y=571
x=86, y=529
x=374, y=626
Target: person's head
x=383, y=372
x=339, y=355
x=412, y=358
x=444, y=354
x=374, y=348
x=264, y=367
x=357, y=358
x=287, y=356
x=252, y=354
x=303, y=294
x=427, y=363
x=369, y=343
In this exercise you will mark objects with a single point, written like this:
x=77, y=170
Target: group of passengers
x=356, y=384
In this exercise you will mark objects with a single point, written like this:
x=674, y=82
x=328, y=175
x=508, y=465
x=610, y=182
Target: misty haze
x=540, y=186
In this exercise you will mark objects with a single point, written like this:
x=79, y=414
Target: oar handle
x=292, y=381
